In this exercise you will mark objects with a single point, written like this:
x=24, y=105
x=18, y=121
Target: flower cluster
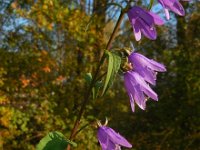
x=136, y=80
x=143, y=71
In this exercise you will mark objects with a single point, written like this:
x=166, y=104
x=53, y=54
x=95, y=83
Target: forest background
x=47, y=47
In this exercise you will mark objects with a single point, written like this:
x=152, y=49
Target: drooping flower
x=137, y=89
x=145, y=67
x=173, y=5
x=110, y=140
x=143, y=22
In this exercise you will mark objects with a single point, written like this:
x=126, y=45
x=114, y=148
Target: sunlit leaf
x=54, y=141
x=151, y=4
x=95, y=89
x=114, y=62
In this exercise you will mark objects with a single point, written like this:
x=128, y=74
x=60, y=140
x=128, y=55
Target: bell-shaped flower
x=110, y=140
x=138, y=90
x=173, y=5
x=145, y=67
x=143, y=21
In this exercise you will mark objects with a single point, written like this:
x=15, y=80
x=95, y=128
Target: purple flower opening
x=145, y=67
x=143, y=21
x=110, y=140
x=173, y=5
x=137, y=88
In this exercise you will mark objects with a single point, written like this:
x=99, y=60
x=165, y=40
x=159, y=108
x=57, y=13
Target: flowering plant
x=139, y=72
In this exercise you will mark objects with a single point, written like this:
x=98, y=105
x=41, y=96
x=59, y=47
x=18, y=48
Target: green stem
x=85, y=126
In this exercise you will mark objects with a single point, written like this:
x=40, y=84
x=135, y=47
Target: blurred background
x=48, y=46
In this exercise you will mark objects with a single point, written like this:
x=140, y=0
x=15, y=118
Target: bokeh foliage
x=48, y=46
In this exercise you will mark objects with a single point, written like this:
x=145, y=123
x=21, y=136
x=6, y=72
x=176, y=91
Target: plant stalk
x=87, y=95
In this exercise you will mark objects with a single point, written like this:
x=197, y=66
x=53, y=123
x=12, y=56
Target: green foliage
x=54, y=141
x=114, y=62
x=96, y=88
x=150, y=4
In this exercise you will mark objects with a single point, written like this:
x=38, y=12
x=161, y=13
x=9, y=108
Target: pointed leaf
x=54, y=141
x=95, y=89
x=150, y=4
x=114, y=62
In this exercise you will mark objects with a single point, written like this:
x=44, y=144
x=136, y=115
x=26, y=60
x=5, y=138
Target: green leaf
x=150, y=4
x=114, y=62
x=96, y=88
x=54, y=141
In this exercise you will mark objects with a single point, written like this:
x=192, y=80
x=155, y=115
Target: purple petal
x=149, y=92
x=146, y=67
x=112, y=146
x=167, y=14
x=134, y=91
x=173, y=5
x=137, y=12
x=118, y=147
x=129, y=88
x=132, y=102
x=105, y=142
x=139, y=97
x=137, y=32
x=157, y=19
x=144, y=15
x=135, y=86
x=143, y=22
x=116, y=138
x=103, y=138
x=148, y=31
x=132, y=15
x=178, y=9
x=147, y=74
x=142, y=61
x=143, y=87
x=156, y=66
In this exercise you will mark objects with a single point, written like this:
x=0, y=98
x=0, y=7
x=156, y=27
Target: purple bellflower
x=145, y=67
x=143, y=22
x=110, y=140
x=138, y=90
x=173, y=5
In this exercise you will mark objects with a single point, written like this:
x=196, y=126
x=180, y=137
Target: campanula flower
x=173, y=5
x=143, y=21
x=137, y=89
x=145, y=67
x=110, y=140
